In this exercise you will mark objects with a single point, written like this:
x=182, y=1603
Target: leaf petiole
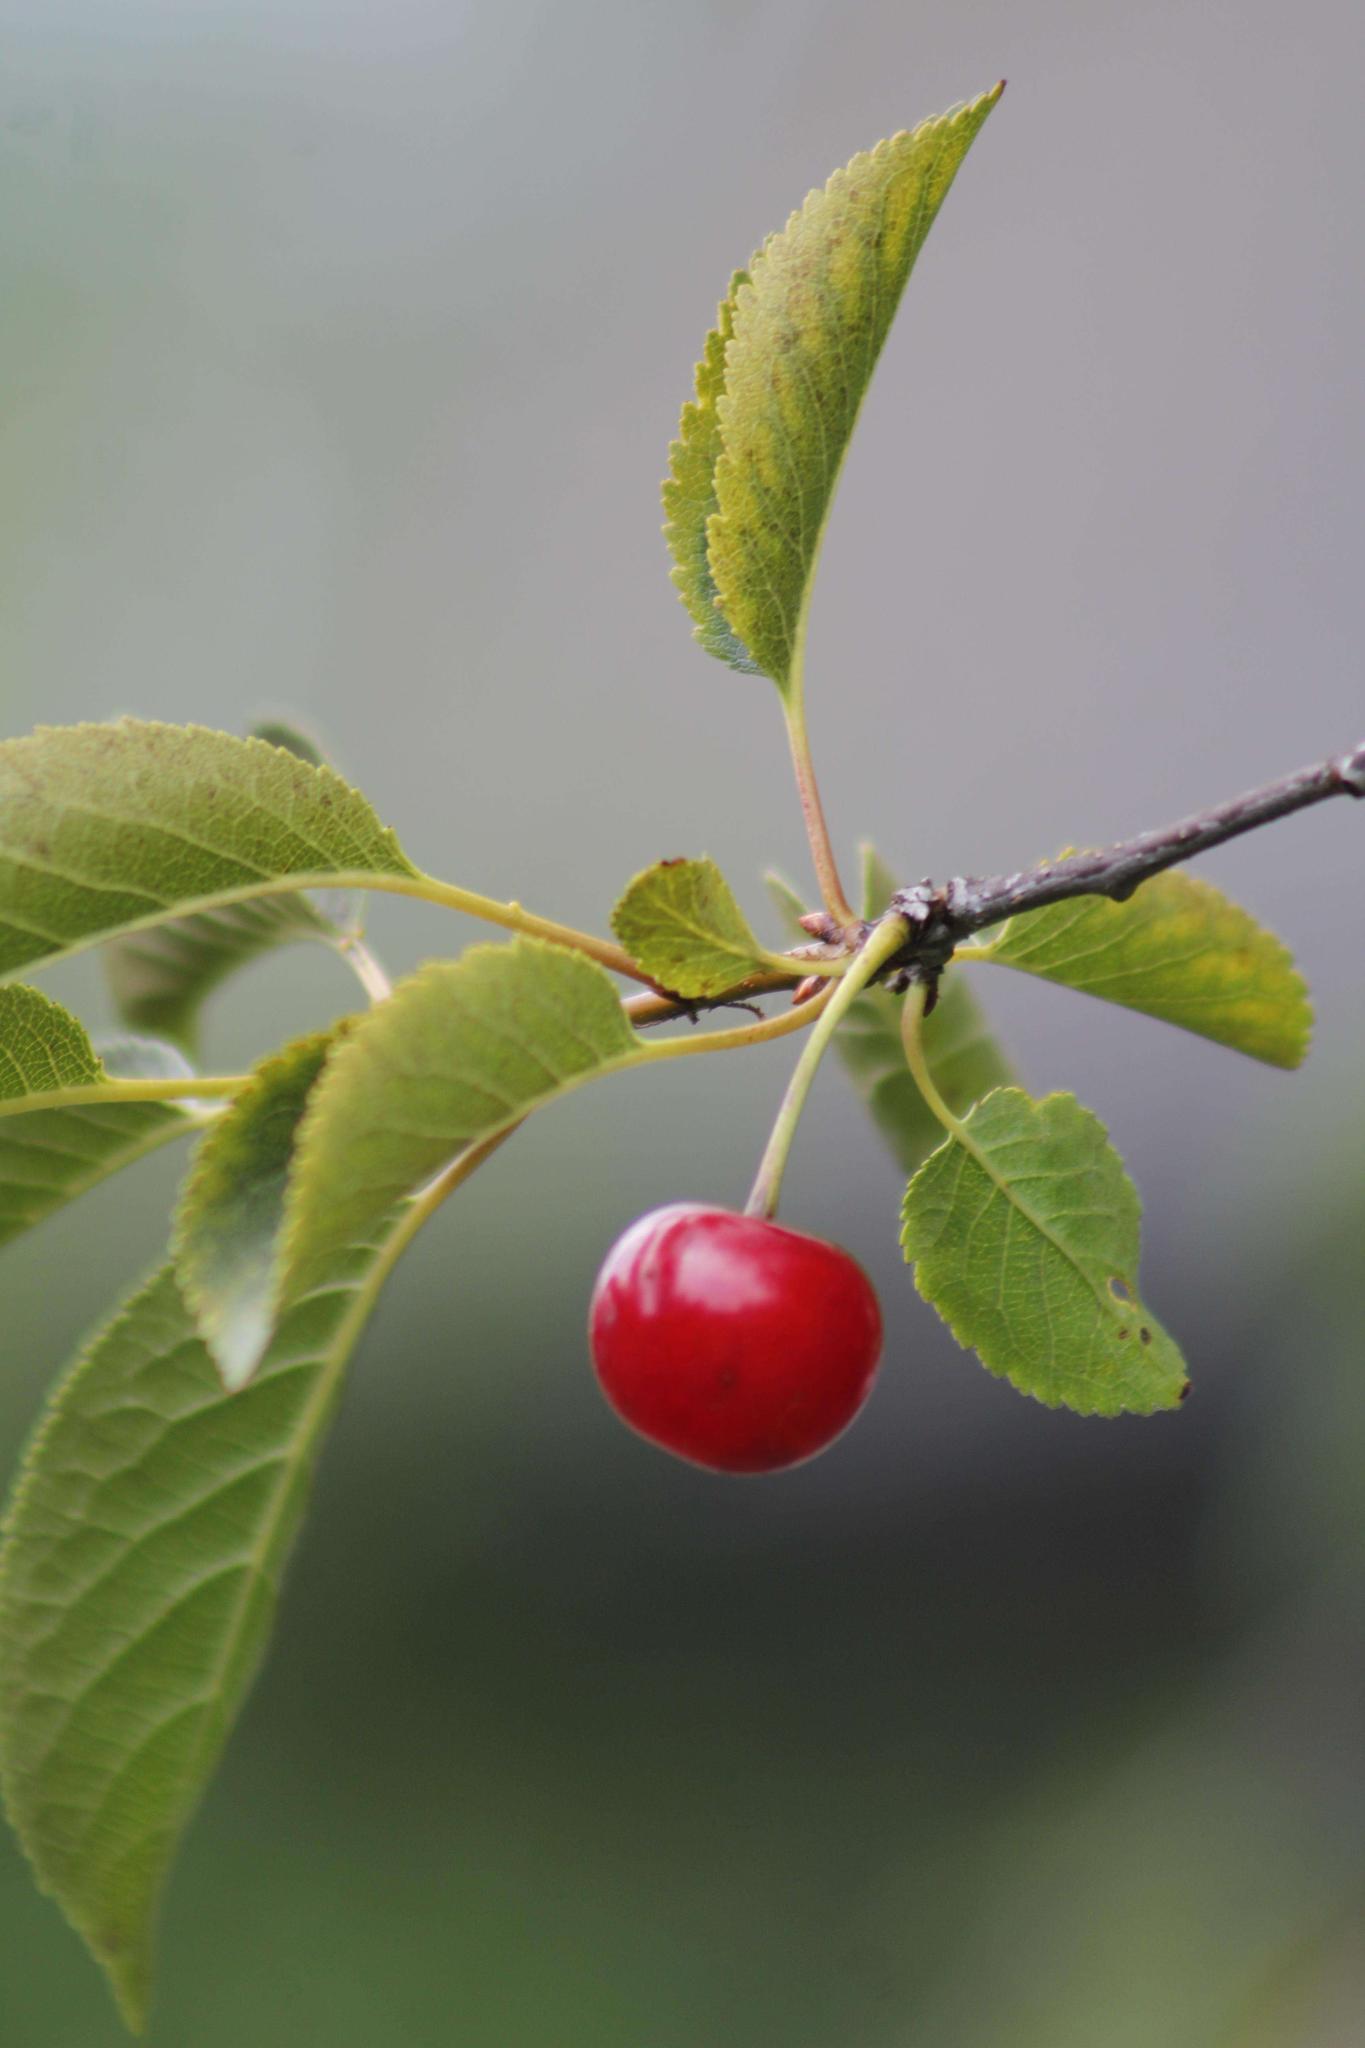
x=912, y=1037
x=812, y=810
x=513, y=918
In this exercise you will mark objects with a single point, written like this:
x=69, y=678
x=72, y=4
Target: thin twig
x=664, y=1008
x=941, y=917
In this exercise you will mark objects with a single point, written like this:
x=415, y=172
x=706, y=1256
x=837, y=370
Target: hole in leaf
x=1119, y=1288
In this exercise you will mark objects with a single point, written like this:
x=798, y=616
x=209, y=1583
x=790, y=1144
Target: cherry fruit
x=733, y=1341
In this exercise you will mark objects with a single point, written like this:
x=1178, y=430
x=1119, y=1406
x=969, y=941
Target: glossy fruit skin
x=732, y=1341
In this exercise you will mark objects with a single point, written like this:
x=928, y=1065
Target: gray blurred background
x=342, y=347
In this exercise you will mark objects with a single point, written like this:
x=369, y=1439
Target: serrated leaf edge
x=130, y=1978
x=987, y=953
x=755, y=956
x=951, y=1139
x=268, y=885
x=790, y=682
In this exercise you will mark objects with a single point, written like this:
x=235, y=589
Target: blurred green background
x=342, y=345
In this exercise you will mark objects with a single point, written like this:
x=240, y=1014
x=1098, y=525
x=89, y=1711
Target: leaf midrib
x=963, y=1136
x=253, y=1567
x=64, y=947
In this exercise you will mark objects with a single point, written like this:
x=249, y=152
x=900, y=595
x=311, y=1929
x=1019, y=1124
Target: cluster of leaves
x=1022, y=1225
x=146, y=1539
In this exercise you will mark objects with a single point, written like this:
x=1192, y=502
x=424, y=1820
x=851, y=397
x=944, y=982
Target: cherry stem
x=885, y=939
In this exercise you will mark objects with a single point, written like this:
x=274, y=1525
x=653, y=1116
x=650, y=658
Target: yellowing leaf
x=681, y=923
x=689, y=494
x=1178, y=949
x=777, y=401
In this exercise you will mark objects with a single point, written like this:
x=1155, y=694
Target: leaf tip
x=238, y=1347
x=130, y=1980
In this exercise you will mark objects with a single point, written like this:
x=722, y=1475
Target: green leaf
x=142, y=1558
x=964, y=1060
x=110, y=828
x=161, y=978
x=790, y=905
x=342, y=910
x=1178, y=949
x=689, y=494
x=781, y=384
x=879, y=885
x=278, y=732
x=232, y=1206
x=462, y=1050
x=49, y=1156
x=681, y=923
x=1024, y=1232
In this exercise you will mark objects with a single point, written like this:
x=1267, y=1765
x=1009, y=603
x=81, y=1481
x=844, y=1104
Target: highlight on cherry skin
x=733, y=1341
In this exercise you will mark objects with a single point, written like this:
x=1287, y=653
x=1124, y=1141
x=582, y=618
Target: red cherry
x=733, y=1341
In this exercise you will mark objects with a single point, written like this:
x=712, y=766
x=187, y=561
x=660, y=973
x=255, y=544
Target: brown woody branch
x=663, y=1007
x=941, y=916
